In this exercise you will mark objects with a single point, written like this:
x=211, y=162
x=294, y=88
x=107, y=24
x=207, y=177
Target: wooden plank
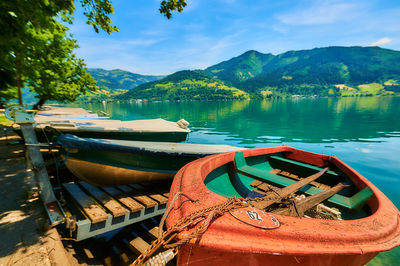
x=150, y=192
x=138, y=245
x=264, y=187
x=112, y=205
x=154, y=232
x=256, y=183
x=88, y=253
x=107, y=261
x=146, y=201
x=149, y=232
x=132, y=204
x=93, y=211
x=314, y=183
x=275, y=171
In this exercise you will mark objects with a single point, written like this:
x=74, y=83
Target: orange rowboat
x=314, y=210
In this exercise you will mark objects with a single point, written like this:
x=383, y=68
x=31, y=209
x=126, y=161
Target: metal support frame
x=52, y=206
x=85, y=229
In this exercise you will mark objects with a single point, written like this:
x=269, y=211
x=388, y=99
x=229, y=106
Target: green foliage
x=54, y=71
x=167, y=6
x=253, y=71
x=184, y=85
x=25, y=24
x=241, y=68
x=31, y=32
x=97, y=13
x=113, y=82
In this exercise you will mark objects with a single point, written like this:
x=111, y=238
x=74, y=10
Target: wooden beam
x=112, y=205
x=150, y=192
x=143, y=199
x=132, y=205
x=93, y=211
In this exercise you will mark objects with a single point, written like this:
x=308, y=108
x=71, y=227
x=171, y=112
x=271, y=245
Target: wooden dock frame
x=104, y=209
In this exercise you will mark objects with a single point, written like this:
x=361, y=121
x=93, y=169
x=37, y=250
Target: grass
x=5, y=122
x=373, y=88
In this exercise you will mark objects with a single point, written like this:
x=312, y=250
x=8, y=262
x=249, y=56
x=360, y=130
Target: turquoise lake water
x=363, y=132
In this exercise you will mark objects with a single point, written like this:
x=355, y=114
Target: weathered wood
x=93, y=211
x=107, y=261
x=266, y=187
x=88, y=253
x=143, y=199
x=112, y=205
x=256, y=183
x=151, y=192
x=307, y=203
x=154, y=232
x=286, y=191
x=278, y=195
x=138, y=245
x=275, y=171
x=132, y=204
x=295, y=177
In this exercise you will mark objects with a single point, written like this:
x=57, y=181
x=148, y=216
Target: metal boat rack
x=97, y=210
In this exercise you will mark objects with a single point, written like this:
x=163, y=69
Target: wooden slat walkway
x=93, y=211
x=107, y=208
x=143, y=199
x=132, y=204
x=152, y=193
x=112, y=205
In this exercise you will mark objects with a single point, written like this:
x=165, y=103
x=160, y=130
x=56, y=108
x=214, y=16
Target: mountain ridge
x=324, y=71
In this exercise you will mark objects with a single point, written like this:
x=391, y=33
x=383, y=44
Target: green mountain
x=329, y=71
x=313, y=71
x=184, y=85
x=241, y=68
x=113, y=82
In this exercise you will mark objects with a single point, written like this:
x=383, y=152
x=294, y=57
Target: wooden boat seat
x=354, y=202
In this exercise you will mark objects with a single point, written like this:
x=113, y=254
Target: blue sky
x=210, y=31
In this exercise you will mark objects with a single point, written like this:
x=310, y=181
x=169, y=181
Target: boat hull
x=227, y=241
x=111, y=175
x=197, y=256
x=118, y=135
x=106, y=162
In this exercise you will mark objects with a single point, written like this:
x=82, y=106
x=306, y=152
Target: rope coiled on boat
x=202, y=218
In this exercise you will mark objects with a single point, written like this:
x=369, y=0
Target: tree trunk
x=39, y=104
x=18, y=78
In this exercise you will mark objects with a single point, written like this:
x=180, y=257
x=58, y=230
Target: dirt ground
x=24, y=235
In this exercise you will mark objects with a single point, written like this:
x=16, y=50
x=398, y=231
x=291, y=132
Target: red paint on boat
x=305, y=241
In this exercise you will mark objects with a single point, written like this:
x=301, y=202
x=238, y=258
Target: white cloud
x=321, y=12
x=143, y=42
x=380, y=42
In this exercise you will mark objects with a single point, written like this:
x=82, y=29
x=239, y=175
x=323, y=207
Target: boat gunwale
x=74, y=142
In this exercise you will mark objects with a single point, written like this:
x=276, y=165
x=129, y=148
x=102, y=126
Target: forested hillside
x=184, y=85
x=320, y=71
x=113, y=82
x=241, y=68
x=330, y=71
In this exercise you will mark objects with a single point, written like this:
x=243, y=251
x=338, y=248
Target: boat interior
x=329, y=194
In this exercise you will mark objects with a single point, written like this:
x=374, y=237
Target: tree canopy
x=35, y=50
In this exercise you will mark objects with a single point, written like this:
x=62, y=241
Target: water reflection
x=272, y=121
